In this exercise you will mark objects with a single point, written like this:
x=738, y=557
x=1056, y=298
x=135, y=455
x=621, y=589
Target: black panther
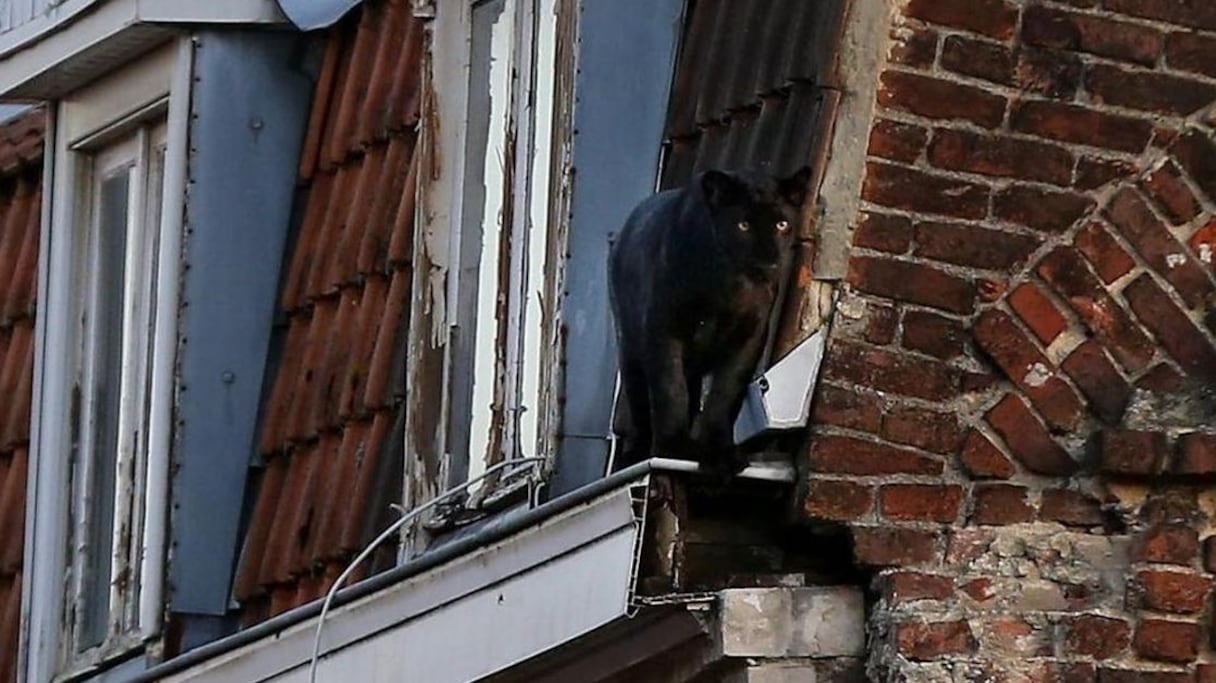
x=693, y=277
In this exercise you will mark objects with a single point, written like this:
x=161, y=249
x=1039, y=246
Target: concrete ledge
x=824, y=621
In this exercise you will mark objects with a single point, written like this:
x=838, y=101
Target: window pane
x=106, y=315
x=477, y=349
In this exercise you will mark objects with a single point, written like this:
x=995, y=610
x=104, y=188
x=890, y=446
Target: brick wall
x=1017, y=415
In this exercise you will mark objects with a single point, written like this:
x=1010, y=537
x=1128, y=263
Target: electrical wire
x=393, y=528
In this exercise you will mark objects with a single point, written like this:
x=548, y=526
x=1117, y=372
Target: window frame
x=133, y=108
x=139, y=152
x=521, y=382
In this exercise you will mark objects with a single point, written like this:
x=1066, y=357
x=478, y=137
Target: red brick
x=1192, y=13
x=845, y=408
x=968, y=544
x=1203, y=243
x=849, y=455
x=1028, y=439
x=1000, y=156
x=921, y=642
x=998, y=504
x=901, y=587
x=1051, y=73
x=1209, y=554
x=1171, y=327
x=1072, y=123
x=1048, y=671
x=897, y=141
x=1174, y=592
x=1066, y=272
x=977, y=382
x=991, y=291
x=895, y=373
x=993, y=18
x=1109, y=259
x=934, y=98
x=1196, y=153
x=1096, y=636
x=911, y=282
x=915, y=47
x=912, y=190
x=1099, y=380
x=1192, y=52
x=882, y=322
x=920, y=502
x=968, y=245
x=893, y=546
x=933, y=334
x=1070, y=508
x=1132, y=216
x=1196, y=454
x=1166, y=187
x=1142, y=676
x=1147, y=91
x=1041, y=209
x=979, y=590
x=1168, y=544
x=1017, y=356
x=1038, y=312
x=1097, y=35
x=884, y=232
x=837, y=500
x=1125, y=451
x=983, y=460
x=931, y=430
x=1167, y=641
x=1162, y=378
x=978, y=58
x=1093, y=173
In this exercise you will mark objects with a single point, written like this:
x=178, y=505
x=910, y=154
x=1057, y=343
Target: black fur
x=693, y=279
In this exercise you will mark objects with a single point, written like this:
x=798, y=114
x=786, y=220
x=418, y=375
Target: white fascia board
x=211, y=12
x=78, y=47
x=468, y=618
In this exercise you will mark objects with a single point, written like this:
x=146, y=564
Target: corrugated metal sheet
x=747, y=89
x=331, y=432
x=20, y=202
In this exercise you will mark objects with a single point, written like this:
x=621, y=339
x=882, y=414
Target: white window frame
x=121, y=120
x=511, y=368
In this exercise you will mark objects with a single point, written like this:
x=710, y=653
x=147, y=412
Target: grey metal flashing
x=487, y=535
x=250, y=107
x=626, y=51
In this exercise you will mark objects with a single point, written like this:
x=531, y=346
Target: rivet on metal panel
x=228, y=377
x=256, y=123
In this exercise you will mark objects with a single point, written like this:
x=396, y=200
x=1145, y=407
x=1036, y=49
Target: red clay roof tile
x=326, y=426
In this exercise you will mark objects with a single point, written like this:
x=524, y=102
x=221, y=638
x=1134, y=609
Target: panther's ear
x=794, y=188
x=718, y=187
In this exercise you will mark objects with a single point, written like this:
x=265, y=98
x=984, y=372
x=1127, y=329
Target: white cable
x=384, y=536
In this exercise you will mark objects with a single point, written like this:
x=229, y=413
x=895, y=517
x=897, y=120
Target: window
x=104, y=381
x=121, y=228
x=498, y=353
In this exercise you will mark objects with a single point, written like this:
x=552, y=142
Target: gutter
x=489, y=534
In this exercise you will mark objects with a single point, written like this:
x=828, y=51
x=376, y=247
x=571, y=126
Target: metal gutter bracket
x=781, y=398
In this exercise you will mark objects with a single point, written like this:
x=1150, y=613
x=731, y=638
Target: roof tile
x=327, y=430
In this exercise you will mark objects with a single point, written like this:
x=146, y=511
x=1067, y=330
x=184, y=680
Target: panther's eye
x=783, y=225
x=743, y=225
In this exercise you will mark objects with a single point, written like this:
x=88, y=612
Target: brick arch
x=1115, y=310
